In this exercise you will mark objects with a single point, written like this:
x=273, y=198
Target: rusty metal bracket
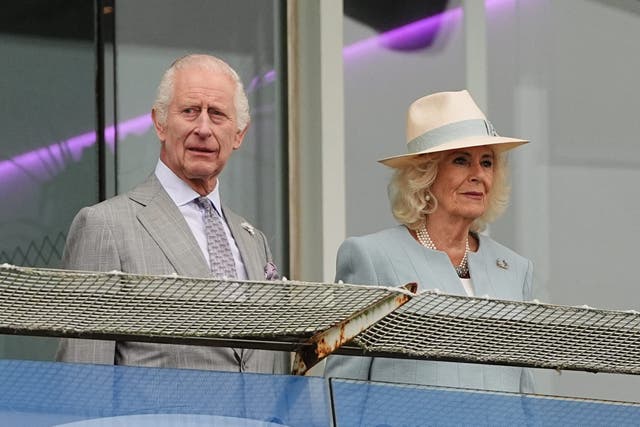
x=326, y=342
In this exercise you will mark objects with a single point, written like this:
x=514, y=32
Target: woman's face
x=464, y=181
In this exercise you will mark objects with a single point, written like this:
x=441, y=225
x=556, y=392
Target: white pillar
x=316, y=140
x=475, y=33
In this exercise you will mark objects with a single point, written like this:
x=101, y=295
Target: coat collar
x=440, y=275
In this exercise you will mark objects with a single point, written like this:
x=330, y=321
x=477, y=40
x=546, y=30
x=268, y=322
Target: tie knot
x=204, y=203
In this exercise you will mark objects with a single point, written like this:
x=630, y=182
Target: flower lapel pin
x=502, y=263
x=248, y=227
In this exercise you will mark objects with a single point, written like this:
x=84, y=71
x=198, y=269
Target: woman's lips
x=474, y=195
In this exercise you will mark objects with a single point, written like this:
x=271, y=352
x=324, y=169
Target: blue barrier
x=76, y=395
x=47, y=393
x=358, y=403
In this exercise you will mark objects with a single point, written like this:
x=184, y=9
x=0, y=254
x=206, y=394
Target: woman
x=449, y=186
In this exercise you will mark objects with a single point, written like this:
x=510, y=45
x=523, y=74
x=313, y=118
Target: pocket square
x=271, y=271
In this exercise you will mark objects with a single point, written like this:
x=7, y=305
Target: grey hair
x=411, y=184
x=207, y=62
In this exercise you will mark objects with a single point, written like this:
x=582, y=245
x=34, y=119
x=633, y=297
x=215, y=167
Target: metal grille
x=455, y=328
x=163, y=308
x=315, y=319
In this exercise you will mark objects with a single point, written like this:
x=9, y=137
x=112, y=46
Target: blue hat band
x=451, y=132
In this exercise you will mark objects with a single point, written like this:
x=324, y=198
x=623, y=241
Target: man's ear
x=240, y=137
x=160, y=129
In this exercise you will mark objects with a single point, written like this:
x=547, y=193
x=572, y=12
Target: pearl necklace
x=425, y=240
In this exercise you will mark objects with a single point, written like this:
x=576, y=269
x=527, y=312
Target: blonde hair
x=207, y=62
x=412, y=182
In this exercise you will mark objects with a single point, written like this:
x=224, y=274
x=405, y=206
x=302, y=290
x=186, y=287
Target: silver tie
x=220, y=256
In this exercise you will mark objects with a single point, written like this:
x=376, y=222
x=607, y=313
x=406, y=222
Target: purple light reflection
x=412, y=35
x=257, y=81
x=138, y=126
x=408, y=35
x=44, y=163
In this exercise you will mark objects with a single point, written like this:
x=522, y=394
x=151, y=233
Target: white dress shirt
x=184, y=197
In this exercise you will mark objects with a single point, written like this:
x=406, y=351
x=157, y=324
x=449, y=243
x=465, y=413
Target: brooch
x=502, y=264
x=248, y=227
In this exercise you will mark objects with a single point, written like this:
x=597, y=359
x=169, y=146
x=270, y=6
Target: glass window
x=51, y=164
x=150, y=34
x=48, y=155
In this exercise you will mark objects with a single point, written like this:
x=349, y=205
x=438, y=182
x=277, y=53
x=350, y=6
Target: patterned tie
x=220, y=256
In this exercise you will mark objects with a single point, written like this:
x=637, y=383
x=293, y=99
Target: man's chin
x=203, y=174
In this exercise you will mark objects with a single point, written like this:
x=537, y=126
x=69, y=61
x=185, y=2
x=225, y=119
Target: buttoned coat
x=144, y=232
x=392, y=257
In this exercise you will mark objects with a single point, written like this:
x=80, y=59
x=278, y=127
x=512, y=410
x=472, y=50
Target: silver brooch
x=248, y=227
x=502, y=264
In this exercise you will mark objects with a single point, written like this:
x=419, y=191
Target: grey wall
x=379, y=86
x=564, y=74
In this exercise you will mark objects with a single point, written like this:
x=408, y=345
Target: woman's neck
x=447, y=232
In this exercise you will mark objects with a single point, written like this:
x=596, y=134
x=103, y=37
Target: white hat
x=447, y=121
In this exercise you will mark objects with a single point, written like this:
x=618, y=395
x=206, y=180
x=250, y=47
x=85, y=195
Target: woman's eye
x=487, y=163
x=460, y=160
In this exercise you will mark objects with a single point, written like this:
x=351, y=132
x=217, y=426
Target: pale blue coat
x=392, y=257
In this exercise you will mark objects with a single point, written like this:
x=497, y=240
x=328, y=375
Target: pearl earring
x=427, y=198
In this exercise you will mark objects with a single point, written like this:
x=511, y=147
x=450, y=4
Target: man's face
x=201, y=129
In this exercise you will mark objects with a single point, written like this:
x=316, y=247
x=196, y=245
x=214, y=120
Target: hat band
x=450, y=132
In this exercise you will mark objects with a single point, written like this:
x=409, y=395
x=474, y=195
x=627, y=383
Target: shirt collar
x=179, y=191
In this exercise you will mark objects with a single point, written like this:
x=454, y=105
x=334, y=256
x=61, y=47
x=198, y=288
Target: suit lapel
x=441, y=275
x=246, y=245
x=479, y=270
x=432, y=268
x=164, y=222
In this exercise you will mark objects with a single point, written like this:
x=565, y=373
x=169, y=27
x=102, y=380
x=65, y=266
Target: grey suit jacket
x=144, y=232
x=392, y=257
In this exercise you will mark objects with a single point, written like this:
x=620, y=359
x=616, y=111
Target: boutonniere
x=248, y=227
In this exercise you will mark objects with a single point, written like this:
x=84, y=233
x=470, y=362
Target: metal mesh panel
x=447, y=327
x=292, y=315
x=118, y=305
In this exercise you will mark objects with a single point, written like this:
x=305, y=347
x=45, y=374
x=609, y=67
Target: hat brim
x=500, y=143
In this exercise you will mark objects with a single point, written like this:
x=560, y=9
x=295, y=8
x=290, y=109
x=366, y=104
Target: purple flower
x=271, y=271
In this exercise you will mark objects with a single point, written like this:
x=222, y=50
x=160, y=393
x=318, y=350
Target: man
x=164, y=225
